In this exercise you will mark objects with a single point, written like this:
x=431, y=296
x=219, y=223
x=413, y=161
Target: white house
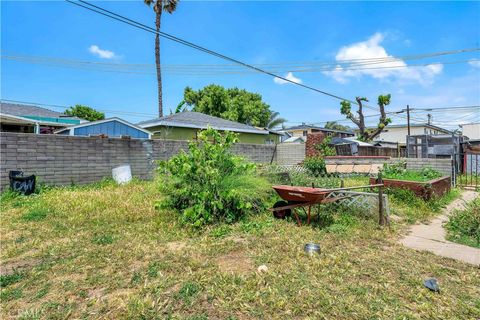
x=398, y=133
x=471, y=130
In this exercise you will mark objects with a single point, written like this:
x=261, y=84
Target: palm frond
x=170, y=5
x=148, y=2
x=275, y=123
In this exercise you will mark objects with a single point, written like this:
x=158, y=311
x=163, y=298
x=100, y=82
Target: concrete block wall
x=63, y=160
x=290, y=153
x=442, y=165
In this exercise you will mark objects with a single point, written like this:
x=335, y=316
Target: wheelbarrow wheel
x=281, y=214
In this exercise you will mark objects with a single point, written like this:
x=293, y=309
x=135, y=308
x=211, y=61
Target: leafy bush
x=325, y=149
x=208, y=183
x=464, y=225
x=315, y=165
x=398, y=171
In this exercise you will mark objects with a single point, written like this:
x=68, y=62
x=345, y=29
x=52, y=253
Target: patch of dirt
x=97, y=293
x=10, y=268
x=235, y=262
x=238, y=240
x=176, y=246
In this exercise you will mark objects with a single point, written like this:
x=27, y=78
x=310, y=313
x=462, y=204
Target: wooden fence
x=351, y=150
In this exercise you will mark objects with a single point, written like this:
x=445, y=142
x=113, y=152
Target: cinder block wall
x=63, y=160
x=290, y=153
x=442, y=165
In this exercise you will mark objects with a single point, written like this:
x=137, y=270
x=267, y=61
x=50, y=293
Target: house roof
x=28, y=110
x=308, y=126
x=35, y=112
x=17, y=120
x=295, y=139
x=431, y=126
x=86, y=124
x=197, y=120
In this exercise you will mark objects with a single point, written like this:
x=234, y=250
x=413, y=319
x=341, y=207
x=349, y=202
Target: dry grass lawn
x=105, y=252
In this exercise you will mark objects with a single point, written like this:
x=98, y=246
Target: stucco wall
x=394, y=134
x=472, y=130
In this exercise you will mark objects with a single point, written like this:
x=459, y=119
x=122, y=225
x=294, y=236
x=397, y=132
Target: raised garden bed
x=427, y=189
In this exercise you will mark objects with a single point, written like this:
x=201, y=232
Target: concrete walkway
x=431, y=237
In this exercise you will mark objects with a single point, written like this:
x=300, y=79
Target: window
x=269, y=141
x=305, y=133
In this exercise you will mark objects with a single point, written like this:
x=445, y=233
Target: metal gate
x=467, y=169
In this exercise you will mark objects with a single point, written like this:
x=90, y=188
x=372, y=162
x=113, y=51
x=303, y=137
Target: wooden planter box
x=427, y=190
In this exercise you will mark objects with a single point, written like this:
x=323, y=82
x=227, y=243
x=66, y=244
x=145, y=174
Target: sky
x=292, y=38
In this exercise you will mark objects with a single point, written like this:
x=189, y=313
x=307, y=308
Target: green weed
x=8, y=279
x=188, y=291
x=463, y=226
x=36, y=214
x=102, y=239
x=10, y=294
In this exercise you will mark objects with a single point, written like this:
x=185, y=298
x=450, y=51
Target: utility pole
x=408, y=119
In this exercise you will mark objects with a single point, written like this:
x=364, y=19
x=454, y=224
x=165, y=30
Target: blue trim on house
x=111, y=128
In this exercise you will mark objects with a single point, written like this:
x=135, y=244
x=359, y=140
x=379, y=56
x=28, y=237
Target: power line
x=56, y=106
x=144, y=27
x=172, y=69
x=446, y=108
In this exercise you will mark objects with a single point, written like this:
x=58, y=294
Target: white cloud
x=371, y=49
x=105, y=54
x=475, y=63
x=288, y=76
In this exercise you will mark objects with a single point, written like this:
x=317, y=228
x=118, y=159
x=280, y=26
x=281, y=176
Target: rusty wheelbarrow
x=300, y=197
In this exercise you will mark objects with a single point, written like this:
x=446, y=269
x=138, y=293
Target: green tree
x=85, y=112
x=333, y=125
x=159, y=6
x=383, y=121
x=232, y=104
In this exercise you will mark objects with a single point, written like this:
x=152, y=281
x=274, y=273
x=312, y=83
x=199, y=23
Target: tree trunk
x=157, y=61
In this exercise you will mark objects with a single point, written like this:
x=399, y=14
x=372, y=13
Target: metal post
x=381, y=217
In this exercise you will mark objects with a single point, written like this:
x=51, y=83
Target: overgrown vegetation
x=157, y=268
x=463, y=226
x=104, y=251
x=316, y=165
x=413, y=209
x=398, y=171
x=209, y=184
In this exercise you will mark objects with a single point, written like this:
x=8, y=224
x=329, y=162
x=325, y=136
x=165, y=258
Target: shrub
x=325, y=148
x=315, y=165
x=399, y=171
x=208, y=183
x=464, y=225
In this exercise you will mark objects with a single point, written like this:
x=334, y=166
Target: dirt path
x=431, y=237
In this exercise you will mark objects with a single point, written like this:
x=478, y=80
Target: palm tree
x=274, y=120
x=159, y=6
x=333, y=125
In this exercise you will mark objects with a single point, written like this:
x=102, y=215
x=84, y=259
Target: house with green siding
x=186, y=125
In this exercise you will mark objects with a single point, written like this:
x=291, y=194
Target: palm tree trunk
x=157, y=61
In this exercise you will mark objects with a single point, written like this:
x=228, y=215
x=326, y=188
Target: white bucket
x=122, y=174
